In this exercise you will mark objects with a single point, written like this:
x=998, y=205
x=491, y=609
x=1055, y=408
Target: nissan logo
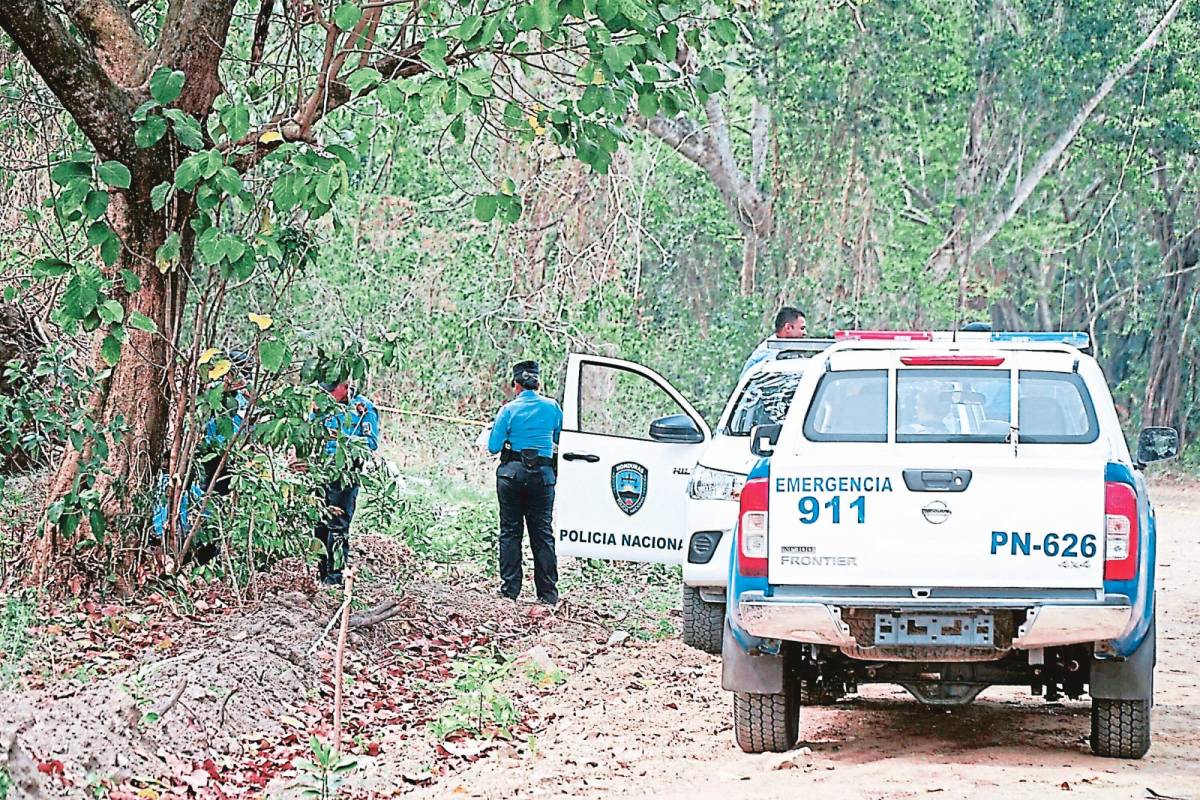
x=936, y=512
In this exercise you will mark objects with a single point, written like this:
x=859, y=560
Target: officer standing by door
x=524, y=435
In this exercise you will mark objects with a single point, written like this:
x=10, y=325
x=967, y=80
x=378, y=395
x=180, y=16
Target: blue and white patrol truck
x=946, y=515
x=941, y=511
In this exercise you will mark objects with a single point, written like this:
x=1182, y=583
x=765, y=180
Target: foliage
x=478, y=706
x=17, y=614
x=323, y=776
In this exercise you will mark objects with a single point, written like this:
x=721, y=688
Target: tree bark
x=1164, y=378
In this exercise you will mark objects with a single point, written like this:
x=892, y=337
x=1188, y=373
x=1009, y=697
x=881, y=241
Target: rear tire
x=1120, y=728
x=766, y=723
x=703, y=622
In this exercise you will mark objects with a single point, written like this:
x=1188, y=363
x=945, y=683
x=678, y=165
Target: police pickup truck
x=946, y=516
x=941, y=511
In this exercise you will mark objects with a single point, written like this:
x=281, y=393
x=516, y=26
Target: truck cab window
x=849, y=406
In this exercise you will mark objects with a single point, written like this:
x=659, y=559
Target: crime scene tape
x=456, y=420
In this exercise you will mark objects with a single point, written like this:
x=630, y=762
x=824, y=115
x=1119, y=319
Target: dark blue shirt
x=530, y=420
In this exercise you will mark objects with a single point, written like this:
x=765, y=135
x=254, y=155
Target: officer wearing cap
x=524, y=435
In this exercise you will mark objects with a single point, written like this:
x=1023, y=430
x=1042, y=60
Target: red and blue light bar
x=1078, y=339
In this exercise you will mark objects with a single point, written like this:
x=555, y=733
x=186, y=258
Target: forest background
x=653, y=191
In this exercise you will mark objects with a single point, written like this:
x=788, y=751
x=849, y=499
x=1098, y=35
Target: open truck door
x=626, y=454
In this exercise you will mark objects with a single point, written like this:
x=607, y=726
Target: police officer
x=524, y=434
x=356, y=419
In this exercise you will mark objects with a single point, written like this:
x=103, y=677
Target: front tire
x=1120, y=728
x=703, y=622
x=766, y=723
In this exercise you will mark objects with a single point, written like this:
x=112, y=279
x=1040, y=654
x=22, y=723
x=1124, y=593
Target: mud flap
x=1129, y=679
x=743, y=672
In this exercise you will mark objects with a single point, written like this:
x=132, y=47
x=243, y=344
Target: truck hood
x=730, y=454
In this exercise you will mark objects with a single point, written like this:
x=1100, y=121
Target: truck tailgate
x=1006, y=522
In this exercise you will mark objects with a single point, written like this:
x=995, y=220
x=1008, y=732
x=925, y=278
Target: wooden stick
x=339, y=662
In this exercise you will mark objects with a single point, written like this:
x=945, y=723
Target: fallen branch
x=373, y=616
x=162, y=712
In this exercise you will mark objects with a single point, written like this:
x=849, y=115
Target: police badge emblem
x=629, y=481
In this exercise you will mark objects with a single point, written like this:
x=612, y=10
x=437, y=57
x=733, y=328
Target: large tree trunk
x=132, y=398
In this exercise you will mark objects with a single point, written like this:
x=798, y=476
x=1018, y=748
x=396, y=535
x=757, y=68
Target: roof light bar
x=1079, y=339
x=883, y=336
x=952, y=361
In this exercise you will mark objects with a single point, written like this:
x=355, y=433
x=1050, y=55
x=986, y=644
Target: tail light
x=1120, y=532
x=752, y=529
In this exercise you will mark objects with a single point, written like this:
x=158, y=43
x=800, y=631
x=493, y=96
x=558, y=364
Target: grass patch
x=18, y=611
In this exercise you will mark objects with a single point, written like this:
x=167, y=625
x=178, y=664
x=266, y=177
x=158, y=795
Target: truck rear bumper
x=1047, y=623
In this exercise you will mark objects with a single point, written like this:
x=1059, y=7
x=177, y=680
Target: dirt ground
x=156, y=702
x=650, y=720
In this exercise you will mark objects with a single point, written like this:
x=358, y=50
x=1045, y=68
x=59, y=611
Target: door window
x=617, y=402
x=849, y=406
x=1055, y=408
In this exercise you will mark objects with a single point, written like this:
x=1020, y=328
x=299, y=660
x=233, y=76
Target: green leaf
x=50, y=268
x=159, y=195
x=69, y=171
x=433, y=53
x=95, y=204
x=110, y=350
x=273, y=354
x=115, y=174
x=363, y=78
x=469, y=27
x=713, y=80
x=111, y=311
x=168, y=251
x=110, y=250
x=143, y=111
x=80, y=297
x=166, y=85
x=98, y=234
x=150, y=131
x=130, y=280
x=187, y=129
x=485, y=207
x=140, y=322
x=188, y=171
x=647, y=104
x=724, y=31
x=477, y=82
x=347, y=16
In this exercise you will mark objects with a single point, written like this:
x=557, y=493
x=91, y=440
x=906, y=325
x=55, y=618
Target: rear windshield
x=765, y=400
x=849, y=406
x=952, y=405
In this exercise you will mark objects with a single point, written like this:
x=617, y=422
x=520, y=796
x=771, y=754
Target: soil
x=221, y=699
x=650, y=720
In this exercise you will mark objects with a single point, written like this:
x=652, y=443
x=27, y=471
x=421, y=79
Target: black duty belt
x=514, y=455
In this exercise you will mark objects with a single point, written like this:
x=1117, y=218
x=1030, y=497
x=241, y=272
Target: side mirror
x=676, y=429
x=1157, y=444
x=763, y=439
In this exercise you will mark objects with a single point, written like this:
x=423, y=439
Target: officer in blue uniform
x=524, y=435
x=355, y=419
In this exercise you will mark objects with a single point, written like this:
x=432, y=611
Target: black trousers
x=527, y=500
x=334, y=529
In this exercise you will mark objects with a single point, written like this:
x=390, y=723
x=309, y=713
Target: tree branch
x=100, y=107
x=1048, y=159
x=192, y=40
x=109, y=28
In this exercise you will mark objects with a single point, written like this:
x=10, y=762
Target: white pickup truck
x=943, y=512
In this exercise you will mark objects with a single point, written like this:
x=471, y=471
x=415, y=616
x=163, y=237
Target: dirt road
x=650, y=720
